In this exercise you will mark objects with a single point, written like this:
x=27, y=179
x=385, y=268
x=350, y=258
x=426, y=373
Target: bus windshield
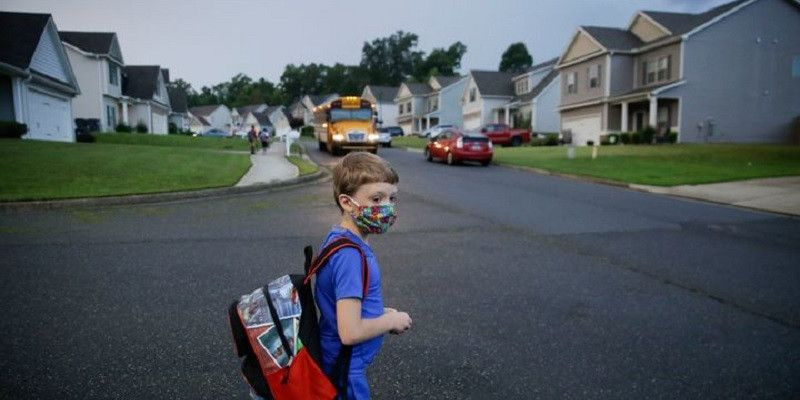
x=339, y=114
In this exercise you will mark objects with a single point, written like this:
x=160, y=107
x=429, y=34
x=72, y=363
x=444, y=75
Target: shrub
x=123, y=128
x=636, y=138
x=12, y=129
x=647, y=134
x=141, y=127
x=625, y=138
x=307, y=130
x=672, y=137
x=172, y=129
x=552, y=139
x=84, y=137
x=538, y=141
x=590, y=142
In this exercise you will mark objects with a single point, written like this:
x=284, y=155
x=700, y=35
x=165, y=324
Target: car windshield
x=362, y=114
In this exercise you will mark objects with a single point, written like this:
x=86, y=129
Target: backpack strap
x=328, y=251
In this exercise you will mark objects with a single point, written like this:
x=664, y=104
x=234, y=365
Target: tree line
x=386, y=61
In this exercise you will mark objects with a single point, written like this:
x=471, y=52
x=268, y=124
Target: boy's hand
x=400, y=322
x=388, y=310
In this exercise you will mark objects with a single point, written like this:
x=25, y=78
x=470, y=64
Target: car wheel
x=486, y=163
x=374, y=151
x=516, y=141
x=427, y=154
x=450, y=159
x=389, y=144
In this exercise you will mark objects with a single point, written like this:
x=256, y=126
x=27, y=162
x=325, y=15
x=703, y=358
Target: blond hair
x=358, y=169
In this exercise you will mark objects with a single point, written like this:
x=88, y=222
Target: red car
x=503, y=135
x=454, y=146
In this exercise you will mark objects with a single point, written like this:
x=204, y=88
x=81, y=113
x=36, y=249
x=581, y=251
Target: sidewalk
x=781, y=195
x=269, y=167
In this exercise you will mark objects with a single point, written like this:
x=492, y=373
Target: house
x=37, y=83
x=264, y=122
x=538, y=93
x=443, y=103
x=383, y=99
x=312, y=101
x=213, y=116
x=243, y=117
x=730, y=74
x=198, y=124
x=280, y=121
x=412, y=106
x=97, y=61
x=485, y=96
x=179, y=113
x=297, y=113
x=149, y=100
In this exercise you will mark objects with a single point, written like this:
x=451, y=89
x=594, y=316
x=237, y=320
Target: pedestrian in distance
x=253, y=137
x=264, y=136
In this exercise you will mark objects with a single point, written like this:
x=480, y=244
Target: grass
x=34, y=170
x=409, y=141
x=665, y=165
x=304, y=166
x=173, y=141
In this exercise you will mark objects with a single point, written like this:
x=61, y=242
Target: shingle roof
x=680, y=23
x=19, y=37
x=549, y=63
x=165, y=74
x=417, y=89
x=90, y=42
x=384, y=94
x=204, y=110
x=263, y=118
x=494, y=83
x=177, y=100
x=243, y=110
x=140, y=81
x=614, y=38
x=447, y=80
x=539, y=87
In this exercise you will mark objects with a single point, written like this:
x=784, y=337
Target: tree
x=182, y=85
x=516, y=58
x=440, y=61
x=390, y=60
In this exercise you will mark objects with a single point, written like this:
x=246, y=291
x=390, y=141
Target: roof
x=140, y=81
x=244, y=110
x=177, y=99
x=539, y=87
x=384, y=94
x=204, y=110
x=19, y=37
x=494, y=83
x=272, y=109
x=614, y=38
x=90, y=42
x=418, y=89
x=263, y=118
x=680, y=23
x=318, y=99
x=549, y=63
x=165, y=73
x=447, y=80
x=202, y=120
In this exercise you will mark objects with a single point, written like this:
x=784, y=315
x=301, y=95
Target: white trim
x=582, y=104
x=585, y=58
x=680, y=67
x=717, y=19
x=608, y=75
x=658, y=90
x=680, y=118
x=579, y=31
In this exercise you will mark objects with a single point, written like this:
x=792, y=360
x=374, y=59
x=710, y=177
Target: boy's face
x=371, y=194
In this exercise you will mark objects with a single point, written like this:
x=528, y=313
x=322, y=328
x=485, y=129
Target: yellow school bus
x=347, y=123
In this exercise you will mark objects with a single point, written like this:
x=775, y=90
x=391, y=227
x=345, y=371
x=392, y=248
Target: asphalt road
x=520, y=285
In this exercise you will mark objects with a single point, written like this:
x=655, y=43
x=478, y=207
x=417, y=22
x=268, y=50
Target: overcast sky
x=206, y=42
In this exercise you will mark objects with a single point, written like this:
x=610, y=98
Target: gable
x=49, y=58
x=434, y=83
x=646, y=30
x=580, y=46
x=115, y=51
x=471, y=84
x=403, y=92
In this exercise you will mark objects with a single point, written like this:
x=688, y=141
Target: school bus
x=347, y=123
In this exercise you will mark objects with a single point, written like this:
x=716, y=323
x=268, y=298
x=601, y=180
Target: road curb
x=162, y=197
x=583, y=178
x=412, y=149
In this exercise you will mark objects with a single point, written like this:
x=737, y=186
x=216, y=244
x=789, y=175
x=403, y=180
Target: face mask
x=374, y=219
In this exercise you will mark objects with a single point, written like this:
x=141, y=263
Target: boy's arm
x=353, y=329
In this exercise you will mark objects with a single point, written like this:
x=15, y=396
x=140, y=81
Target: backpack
x=282, y=315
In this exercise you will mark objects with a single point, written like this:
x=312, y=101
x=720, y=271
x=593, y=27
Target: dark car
x=394, y=130
x=214, y=132
x=454, y=146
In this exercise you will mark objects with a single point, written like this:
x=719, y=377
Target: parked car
x=214, y=132
x=435, y=130
x=454, y=146
x=384, y=137
x=503, y=135
x=394, y=130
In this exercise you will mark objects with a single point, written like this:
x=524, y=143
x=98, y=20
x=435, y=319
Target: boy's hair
x=358, y=169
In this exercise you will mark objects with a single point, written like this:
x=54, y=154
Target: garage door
x=583, y=129
x=49, y=118
x=159, y=122
x=472, y=122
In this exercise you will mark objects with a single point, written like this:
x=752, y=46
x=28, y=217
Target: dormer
x=647, y=28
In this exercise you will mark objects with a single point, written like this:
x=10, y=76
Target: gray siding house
x=730, y=74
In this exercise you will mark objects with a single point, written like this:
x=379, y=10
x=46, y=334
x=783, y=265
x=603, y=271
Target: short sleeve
x=347, y=279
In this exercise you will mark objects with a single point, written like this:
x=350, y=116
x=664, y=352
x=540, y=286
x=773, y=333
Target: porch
x=634, y=114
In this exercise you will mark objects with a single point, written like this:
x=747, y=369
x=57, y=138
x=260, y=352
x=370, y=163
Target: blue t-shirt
x=340, y=279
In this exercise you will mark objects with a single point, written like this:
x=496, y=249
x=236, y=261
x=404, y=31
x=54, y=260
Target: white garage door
x=583, y=129
x=159, y=122
x=49, y=118
x=472, y=122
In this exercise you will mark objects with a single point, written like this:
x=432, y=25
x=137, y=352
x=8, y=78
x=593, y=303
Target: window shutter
x=669, y=67
x=644, y=73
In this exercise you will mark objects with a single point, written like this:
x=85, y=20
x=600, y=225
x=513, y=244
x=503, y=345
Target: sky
x=206, y=42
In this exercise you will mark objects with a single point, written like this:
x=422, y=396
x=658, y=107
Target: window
x=473, y=93
x=111, y=117
x=650, y=71
x=408, y=107
x=664, y=68
x=113, y=74
x=594, y=76
x=400, y=108
x=522, y=86
x=572, y=83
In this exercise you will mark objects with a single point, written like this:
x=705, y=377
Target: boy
x=365, y=190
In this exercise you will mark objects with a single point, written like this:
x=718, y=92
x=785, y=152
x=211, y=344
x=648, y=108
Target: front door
x=639, y=121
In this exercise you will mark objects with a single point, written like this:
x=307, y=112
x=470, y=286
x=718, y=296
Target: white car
x=384, y=137
x=435, y=130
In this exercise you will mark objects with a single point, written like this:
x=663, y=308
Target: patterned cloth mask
x=374, y=219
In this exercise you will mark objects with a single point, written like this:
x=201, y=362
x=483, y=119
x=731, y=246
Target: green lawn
x=306, y=167
x=664, y=165
x=33, y=170
x=174, y=141
x=409, y=141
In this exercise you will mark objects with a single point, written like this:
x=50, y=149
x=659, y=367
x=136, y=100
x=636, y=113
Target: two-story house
x=146, y=89
x=729, y=74
x=244, y=117
x=537, y=94
x=443, y=102
x=212, y=116
x=412, y=106
x=383, y=99
x=484, y=98
x=36, y=79
x=297, y=113
x=97, y=61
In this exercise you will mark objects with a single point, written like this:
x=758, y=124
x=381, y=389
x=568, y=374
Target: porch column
x=124, y=113
x=508, y=120
x=624, y=120
x=428, y=122
x=651, y=117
